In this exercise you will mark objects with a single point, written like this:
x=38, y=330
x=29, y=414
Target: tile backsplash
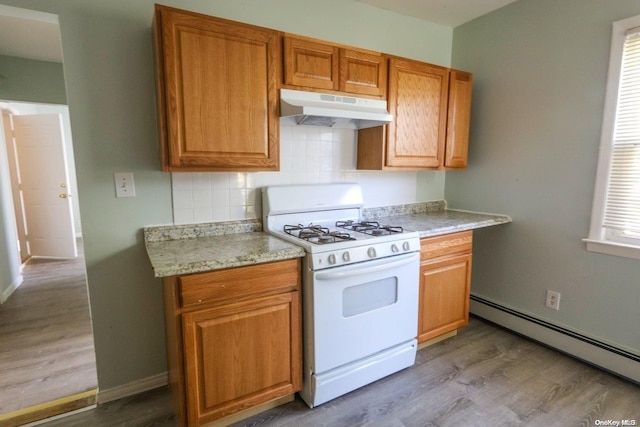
x=308, y=155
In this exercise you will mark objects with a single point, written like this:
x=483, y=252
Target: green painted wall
x=110, y=92
x=540, y=68
x=32, y=81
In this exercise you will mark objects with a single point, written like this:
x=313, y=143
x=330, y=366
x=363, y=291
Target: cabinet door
x=218, y=92
x=458, y=119
x=444, y=295
x=310, y=64
x=418, y=102
x=363, y=73
x=242, y=354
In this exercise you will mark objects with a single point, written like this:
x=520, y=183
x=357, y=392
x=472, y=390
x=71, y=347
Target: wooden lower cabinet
x=230, y=356
x=445, y=284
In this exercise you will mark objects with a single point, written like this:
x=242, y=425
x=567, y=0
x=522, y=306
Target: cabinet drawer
x=221, y=286
x=432, y=247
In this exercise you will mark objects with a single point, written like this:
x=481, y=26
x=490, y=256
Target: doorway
x=47, y=359
x=43, y=185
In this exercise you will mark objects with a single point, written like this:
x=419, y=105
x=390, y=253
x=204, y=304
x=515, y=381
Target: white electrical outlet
x=125, y=186
x=553, y=299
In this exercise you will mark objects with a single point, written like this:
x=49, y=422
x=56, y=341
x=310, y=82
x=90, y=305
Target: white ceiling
x=449, y=13
x=36, y=35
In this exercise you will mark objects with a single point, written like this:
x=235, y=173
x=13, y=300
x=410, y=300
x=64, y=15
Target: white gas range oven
x=360, y=286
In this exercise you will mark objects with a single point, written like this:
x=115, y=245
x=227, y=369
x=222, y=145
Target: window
x=615, y=219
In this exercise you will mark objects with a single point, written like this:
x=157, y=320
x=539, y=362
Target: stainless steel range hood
x=319, y=109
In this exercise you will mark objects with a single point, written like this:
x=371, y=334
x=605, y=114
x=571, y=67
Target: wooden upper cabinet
x=315, y=65
x=418, y=103
x=217, y=84
x=415, y=139
x=311, y=64
x=431, y=106
x=458, y=118
x=363, y=73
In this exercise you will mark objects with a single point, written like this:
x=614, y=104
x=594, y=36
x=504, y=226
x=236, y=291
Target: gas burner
x=372, y=228
x=316, y=234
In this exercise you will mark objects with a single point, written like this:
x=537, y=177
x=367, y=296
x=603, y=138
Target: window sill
x=613, y=248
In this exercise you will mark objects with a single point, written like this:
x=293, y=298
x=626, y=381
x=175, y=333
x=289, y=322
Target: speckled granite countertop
x=186, y=249
x=433, y=218
x=431, y=223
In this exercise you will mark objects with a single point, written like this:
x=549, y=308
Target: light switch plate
x=125, y=186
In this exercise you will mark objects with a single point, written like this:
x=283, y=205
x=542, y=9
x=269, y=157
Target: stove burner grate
x=317, y=234
x=369, y=227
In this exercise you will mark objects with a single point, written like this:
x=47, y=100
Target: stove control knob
x=371, y=252
x=406, y=246
x=394, y=248
x=332, y=259
x=346, y=257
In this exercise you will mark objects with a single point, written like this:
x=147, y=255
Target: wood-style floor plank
x=46, y=351
x=484, y=376
x=152, y=408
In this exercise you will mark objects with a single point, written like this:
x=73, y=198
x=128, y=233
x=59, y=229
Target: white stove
x=326, y=221
x=359, y=286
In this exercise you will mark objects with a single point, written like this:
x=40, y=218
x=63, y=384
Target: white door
x=44, y=185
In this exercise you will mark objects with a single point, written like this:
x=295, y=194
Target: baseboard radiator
x=604, y=355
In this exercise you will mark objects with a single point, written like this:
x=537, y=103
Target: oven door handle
x=360, y=269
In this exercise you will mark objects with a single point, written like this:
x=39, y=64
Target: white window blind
x=622, y=207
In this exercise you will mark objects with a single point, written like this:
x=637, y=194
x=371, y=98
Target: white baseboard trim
x=132, y=388
x=613, y=359
x=11, y=289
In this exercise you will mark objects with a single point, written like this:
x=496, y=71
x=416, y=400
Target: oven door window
x=369, y=296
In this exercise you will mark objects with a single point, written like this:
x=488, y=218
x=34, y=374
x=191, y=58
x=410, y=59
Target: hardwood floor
x=485, y=376
x=46, y=350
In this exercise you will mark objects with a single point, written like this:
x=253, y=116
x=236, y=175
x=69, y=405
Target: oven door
x=362, y=309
